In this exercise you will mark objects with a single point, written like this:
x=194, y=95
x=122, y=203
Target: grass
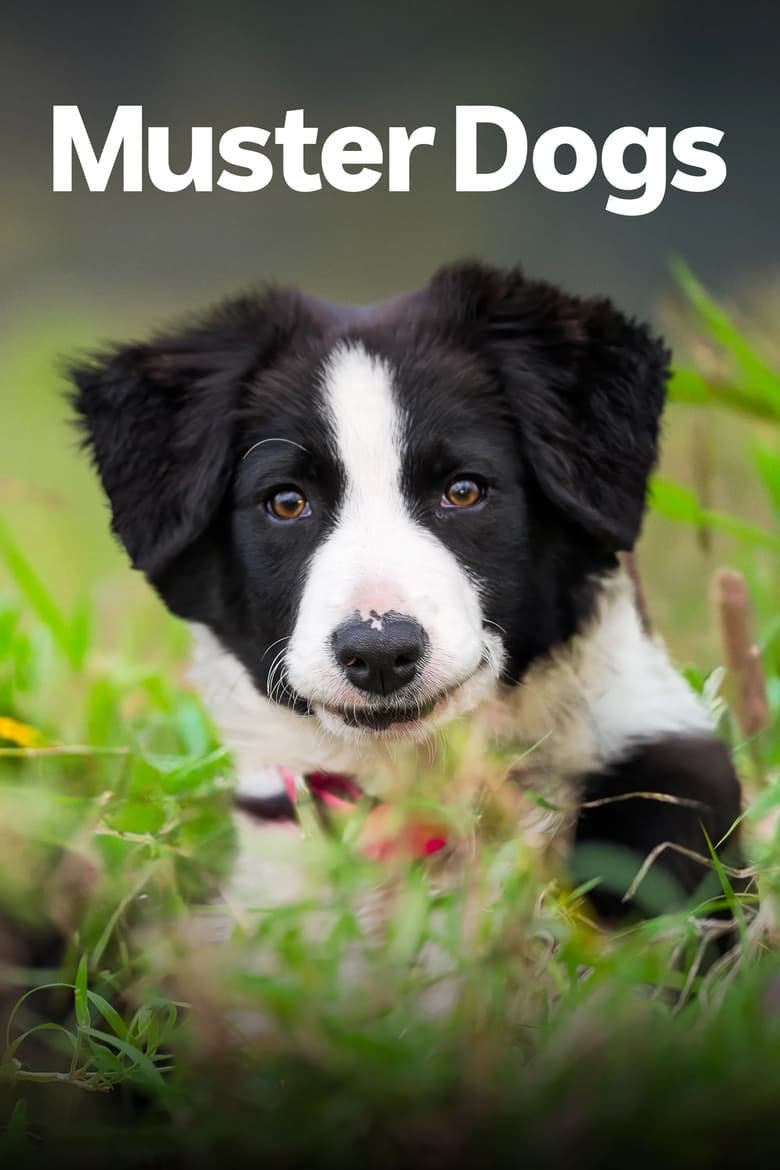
x=493, y=1022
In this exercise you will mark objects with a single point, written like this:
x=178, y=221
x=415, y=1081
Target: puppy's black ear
x=586, y=386
x=159, y=419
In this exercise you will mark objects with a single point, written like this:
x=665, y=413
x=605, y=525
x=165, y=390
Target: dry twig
x=741, y=655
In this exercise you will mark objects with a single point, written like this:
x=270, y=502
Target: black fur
x=552, y=401
x=555, y=399
x=617, y=831
x=587, y=388
x=159, y=419
x=267, y=808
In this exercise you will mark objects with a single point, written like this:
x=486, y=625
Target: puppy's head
x=382, y=512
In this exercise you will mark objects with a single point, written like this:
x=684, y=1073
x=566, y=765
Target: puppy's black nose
x=382, y=654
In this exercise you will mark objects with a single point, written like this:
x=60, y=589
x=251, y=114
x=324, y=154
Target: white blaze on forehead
x=378, y=533
x=367, y=424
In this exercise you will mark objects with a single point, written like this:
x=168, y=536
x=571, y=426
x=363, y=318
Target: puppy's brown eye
x=462, y=493
x=288, y=504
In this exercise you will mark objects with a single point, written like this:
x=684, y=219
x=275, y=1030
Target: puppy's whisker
x=267, y=651
x=488, y=622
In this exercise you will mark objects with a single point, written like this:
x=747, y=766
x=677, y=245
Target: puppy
x=385, y=518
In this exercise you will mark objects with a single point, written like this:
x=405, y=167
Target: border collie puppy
x=382, y=518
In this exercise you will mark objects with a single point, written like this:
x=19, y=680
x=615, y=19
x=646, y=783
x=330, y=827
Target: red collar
x=387, y=831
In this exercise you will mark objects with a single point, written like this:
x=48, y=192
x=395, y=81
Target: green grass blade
x=35, y=593
x=762, y=381
x=678, y=503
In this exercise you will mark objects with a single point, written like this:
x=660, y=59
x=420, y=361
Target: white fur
x=634, y=692
x=261, y=735
x=612, y=687
x=585, y=705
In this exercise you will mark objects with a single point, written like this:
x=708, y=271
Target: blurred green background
x=77, y=268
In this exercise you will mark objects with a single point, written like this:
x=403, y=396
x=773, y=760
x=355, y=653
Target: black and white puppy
x=382, y=518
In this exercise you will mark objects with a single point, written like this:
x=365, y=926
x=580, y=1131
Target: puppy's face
x=373, y=534
x=382, y=513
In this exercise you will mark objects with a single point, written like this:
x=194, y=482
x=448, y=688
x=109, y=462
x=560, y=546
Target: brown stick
x=741, y=655
x=640, y=598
